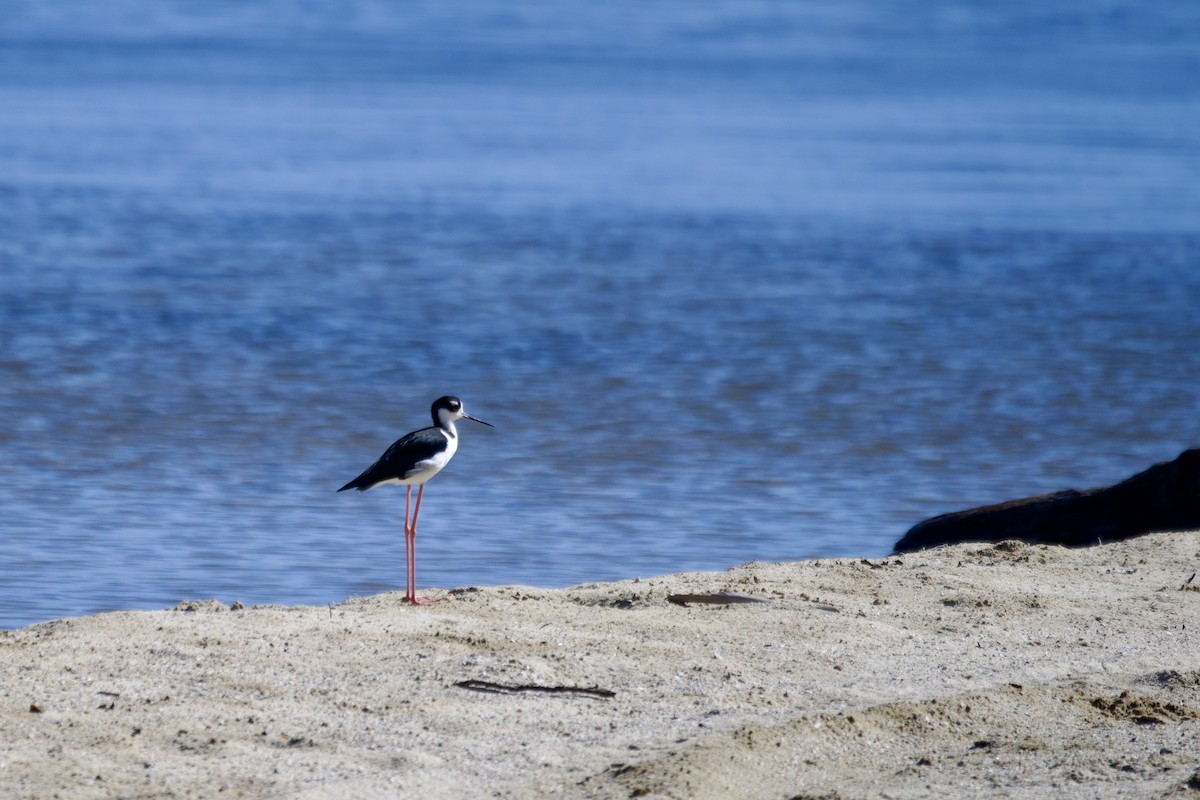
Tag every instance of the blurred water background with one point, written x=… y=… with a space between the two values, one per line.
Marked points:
x=734 y=281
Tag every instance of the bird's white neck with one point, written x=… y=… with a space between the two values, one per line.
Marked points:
x=446 y=424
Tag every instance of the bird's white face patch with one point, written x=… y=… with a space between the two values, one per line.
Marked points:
x=448 y=415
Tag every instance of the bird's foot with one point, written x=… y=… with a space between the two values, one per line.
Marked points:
x=421 y=601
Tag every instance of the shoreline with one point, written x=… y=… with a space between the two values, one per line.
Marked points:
x=975 y=669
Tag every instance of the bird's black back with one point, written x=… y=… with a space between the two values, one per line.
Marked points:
x=399 y=460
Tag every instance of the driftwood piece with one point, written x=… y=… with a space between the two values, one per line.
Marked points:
x=1166 y=497
x=514 y=688
x=724 y=598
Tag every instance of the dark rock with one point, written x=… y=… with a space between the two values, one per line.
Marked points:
x=1166 y=497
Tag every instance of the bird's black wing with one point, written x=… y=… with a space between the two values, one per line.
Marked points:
x=399 y=459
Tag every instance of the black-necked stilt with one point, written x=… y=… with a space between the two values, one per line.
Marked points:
x=415 y=458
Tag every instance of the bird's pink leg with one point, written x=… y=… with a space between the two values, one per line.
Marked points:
x=412 y=598
x=409 y=544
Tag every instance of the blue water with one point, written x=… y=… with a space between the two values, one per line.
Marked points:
x=734 y=281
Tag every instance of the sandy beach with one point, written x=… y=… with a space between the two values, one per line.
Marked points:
x=967 y=671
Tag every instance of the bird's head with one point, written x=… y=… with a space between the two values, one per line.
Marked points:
x=447 y=409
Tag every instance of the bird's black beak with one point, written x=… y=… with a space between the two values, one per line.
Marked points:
x=477 y=419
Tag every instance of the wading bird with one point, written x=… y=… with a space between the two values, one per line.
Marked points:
x=413 y=459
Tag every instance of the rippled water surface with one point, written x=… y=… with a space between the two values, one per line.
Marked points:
x=740 y=282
